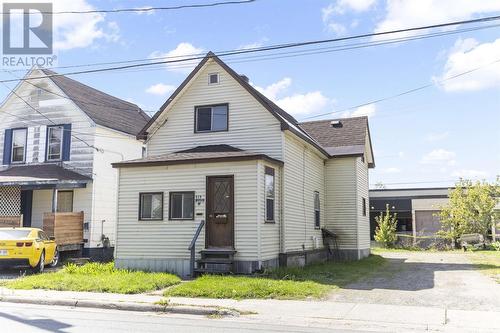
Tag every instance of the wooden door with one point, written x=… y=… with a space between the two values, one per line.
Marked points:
x=220 y=212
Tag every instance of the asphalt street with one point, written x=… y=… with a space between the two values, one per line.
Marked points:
x=22 y=318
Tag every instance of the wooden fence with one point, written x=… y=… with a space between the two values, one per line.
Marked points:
x=67 y=228
x=11 y=221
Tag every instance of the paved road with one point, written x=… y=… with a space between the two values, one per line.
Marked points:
x=443 y=279
x=22 y=318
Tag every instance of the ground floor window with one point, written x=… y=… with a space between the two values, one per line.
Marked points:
x=151 y=206
x=317 y=211
x=270 y=190
x=64 y=201
x=181 y=206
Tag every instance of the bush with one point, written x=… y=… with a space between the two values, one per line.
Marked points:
x=495 y=246
x=385 y=232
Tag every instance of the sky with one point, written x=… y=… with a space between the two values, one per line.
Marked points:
x=428 y=138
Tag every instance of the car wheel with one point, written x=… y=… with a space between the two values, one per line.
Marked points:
x=39 y=268
x=55 y=260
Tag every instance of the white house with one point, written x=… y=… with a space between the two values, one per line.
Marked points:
x=267 y=186
x=58 y=138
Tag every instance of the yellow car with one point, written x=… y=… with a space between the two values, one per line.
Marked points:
x=27 y=246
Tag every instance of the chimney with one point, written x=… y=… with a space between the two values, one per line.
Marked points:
x=245 y=78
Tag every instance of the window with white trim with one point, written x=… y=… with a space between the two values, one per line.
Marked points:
x=19 y=137
x=211 y=118
x=269 y=188
x=54 y=143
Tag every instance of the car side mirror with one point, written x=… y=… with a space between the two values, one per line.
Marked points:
x=52 y=238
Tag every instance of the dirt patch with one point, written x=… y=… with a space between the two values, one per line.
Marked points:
x=426 y=279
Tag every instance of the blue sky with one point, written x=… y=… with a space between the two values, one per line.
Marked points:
x=435 y=135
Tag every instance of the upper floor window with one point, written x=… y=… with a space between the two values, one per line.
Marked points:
x=269 y=188
x=54 y=143
x=211 y=118
x=213 y=78
x=19 y=137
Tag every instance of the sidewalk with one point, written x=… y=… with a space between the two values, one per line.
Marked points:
x=374 y=317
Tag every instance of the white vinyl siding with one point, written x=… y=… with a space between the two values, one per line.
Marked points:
x=250 y=126
x=362 y=192
x=303 y=175
x=170 y=239
x=341 y=201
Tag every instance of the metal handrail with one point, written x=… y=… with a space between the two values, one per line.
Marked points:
x=192 y=246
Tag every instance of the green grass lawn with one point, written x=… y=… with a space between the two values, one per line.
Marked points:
x=488 y=262
x=96 y=277
x=313 y=281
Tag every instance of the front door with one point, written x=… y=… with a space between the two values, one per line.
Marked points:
x=220 y=212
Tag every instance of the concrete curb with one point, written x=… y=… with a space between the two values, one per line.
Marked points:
x=125 y=306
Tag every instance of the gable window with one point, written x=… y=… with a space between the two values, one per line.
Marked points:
x=213 y=78
x=19 y=137
x=212 y=118
x=364 y=206
x=317 y=211
x=151 y=206
x=181 y=206
x=269 y=187
x=54 y=143
x=64 y=201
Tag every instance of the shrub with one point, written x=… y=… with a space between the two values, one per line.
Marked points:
x=495 y=246
x=385 y=232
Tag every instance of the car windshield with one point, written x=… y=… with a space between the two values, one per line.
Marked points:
x=13 y=234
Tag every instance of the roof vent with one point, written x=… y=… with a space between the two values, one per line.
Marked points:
x=245 y=78
x=336 y=123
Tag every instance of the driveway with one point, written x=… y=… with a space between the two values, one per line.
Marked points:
x=425 y=279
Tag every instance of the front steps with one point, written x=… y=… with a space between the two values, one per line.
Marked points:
x=215 y=261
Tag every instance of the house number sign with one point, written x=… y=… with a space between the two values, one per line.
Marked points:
x=199 y=199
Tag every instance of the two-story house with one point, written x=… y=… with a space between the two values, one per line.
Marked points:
x=230 y=172
x=58 y=138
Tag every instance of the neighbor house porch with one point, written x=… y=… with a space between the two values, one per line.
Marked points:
x=43 y=196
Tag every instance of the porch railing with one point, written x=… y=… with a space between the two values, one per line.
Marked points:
x=192 y=247
x=67 y=228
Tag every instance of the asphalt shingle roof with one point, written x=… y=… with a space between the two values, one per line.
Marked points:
x=40 y=173
x=103 y=109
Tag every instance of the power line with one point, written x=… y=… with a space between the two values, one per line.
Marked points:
x=406 y=92
x=140 y=10
x=273 y=47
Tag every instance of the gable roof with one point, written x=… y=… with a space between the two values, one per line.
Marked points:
x=103 y=109
x=287 y=121
x=348 y=137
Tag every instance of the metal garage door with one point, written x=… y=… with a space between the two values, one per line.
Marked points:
x=426 y=222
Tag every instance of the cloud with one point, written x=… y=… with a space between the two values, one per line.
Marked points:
x=470 y=174
x=254 y=45
x=339 y=8
x=160 y=89
x=469 y=54
x=365 y=110
x=304 y=104
x=73 y=31
x=412 y=13
x=439 y=157
x=432 y=137
x=392 y=170
x=183 y=51
x=296 y=104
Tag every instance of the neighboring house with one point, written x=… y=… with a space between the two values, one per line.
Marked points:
x=221 y=152
x=58 y=138
x=416 y=208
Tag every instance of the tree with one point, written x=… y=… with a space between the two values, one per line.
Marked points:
x=385 y=232
x=471 y=209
